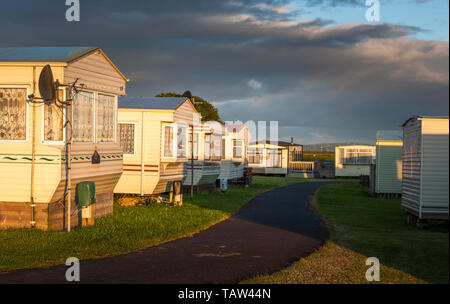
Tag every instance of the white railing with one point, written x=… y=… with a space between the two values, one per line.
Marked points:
x=301 y=166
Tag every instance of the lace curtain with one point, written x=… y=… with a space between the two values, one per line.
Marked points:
x=181 y=142
x=168 y=141
x=105 y=118
x=237 y=148
x=195 y=146
x=216 y=147
x=223 y=149
x=82 y=113
x=13 y=113
x=53 y=121
x=207 y=147
x=126 y=137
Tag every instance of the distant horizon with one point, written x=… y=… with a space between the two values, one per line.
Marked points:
x=322 y=69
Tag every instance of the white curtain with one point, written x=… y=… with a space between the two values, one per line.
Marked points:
x=207 y=155
x=126 y=137
x=13 y=113
x=181 y=142
x=82 y=122
x=216 y=142
x=168 y=141
x=195 y=145
x=237 y=148
x=53 y=121
x=105 y=118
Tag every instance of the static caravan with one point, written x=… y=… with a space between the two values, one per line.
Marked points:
x=278 y=158
x=33 y=136
x=354 y=161
x=387 y=175
x=268 y=158
x=425 y=167
x=206 y=158
x=154 y=136
x=234 y=151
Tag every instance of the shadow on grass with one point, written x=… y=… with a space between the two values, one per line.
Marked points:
x=377 y=227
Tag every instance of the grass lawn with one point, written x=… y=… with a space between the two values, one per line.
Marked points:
x=323 y=156
x=361 y=227
x=128 y=229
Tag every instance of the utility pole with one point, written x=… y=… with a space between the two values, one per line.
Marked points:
x=192 y=164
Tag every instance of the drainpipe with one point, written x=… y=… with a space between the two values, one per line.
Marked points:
x=69 y=161
x=33 y=153
x=142 y=154
x=192 y=163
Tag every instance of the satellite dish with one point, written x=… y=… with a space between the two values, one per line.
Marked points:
x=46 y=85
x=187 y=94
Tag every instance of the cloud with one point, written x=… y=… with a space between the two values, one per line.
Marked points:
x=256 y=60
x=254 y=84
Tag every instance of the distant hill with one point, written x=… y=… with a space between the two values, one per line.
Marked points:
x=327 y=147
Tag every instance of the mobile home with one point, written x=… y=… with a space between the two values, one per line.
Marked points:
x=277 y=158
x=425 y=167
x=33 y=136
x=387 y=173
x=205 y=158
x=234 y=151
x=354 y=161
x=154 y=135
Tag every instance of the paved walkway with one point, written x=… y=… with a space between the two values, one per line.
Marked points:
x=273 y=230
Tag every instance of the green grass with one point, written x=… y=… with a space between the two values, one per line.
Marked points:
x=360 y=227
x=322 y=156
x=128 y=229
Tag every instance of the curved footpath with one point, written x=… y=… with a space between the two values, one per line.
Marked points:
x=273 y=230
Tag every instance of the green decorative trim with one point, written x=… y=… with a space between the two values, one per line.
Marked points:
x=27 y=158
x=47 y=159
x=10 y=158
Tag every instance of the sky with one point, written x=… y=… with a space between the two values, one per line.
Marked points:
x=318 y=67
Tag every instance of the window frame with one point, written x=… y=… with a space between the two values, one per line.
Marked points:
x=351 y=151
x=235 y=140
x=94 y=118
x=27 y=110
x=174 y=127
x=207 y=145
x=115 y=117
x=134 y=137
x=194 y=144
x=186 y=140
x=254 y=153
x=54 y=142
x=218 y=157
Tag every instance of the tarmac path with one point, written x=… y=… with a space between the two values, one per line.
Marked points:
x=273 y=230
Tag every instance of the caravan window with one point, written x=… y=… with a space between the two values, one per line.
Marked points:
x=13 y=113
x=105 y=119
x=53 y=121
x=168 y=141
x=181 y=142
x=82 y=117
x=216 y=141
x=127 y=137
x=195 y=145
x=207 y=153
x=254 y=156
x=223 y=149
x=358 y=156
x=237 y=148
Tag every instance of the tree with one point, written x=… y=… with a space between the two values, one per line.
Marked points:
x=207 y=110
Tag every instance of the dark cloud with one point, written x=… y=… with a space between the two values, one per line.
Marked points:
x=255 y=59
